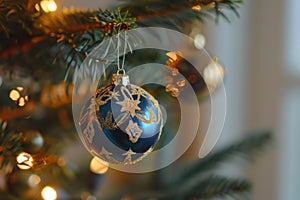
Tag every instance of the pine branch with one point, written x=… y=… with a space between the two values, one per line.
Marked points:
x=77 y=31
x=248 y=148
x=10 y=14
x=194 y=183
x=176 y=13
x=66 y=38
x=195 y=188
x=10 y=146
x=218 y=186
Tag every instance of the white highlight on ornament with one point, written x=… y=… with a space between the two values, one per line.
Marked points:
x=48 y=193
x=34 y=180
x=213 y=74
x=24 y=161
x=199 y=41
x=98 y=166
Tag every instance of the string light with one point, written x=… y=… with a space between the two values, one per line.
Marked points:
x=17 y=97
x=49 y=193
x=98 y=166
x=24 y=161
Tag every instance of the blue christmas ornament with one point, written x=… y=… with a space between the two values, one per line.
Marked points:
x=122 y=123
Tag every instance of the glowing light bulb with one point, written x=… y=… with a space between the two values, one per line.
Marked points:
x=24 y=161
x=47 y=6
x=48 y=193
x=98 y=166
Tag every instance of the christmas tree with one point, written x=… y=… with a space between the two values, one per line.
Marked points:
x=42 y=54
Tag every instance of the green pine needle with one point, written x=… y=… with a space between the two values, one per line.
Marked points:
x=248 y=148
x=10 y=146
x=217 y=186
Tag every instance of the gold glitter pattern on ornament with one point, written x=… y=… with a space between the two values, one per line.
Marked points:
x=133 y=131
x=128 y=156
x=129 y=104
x=107 y=156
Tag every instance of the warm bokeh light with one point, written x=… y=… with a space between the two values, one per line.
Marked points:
x=48 y=193
x=199 y=41
x=47 y=6
x=213 y=74
x=24 y=161
x=20 y=89
x=21 y=101
x=197 y=7
x=14 y=95
x=34 y=180
x=98 y=166
x=61 y=162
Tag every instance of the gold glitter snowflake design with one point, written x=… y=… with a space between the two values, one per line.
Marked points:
x=129 y=104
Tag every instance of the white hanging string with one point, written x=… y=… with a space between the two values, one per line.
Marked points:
x=121 y=68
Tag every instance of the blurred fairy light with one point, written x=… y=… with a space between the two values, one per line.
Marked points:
x=172 y=55
x=196 y=7
x=24 y=161
x=34 y=180
x=98 y=166
x=49 y=193
x=21 y=102
x=20 y=89
x=91 y=198
x=61 y=162
x=199 y=41
x=213 y=74
x=47 y=6
x=16 y=96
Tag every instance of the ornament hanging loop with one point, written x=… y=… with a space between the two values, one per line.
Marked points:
x=121 y=71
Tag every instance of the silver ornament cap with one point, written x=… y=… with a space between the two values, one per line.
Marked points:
x=120 y=79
